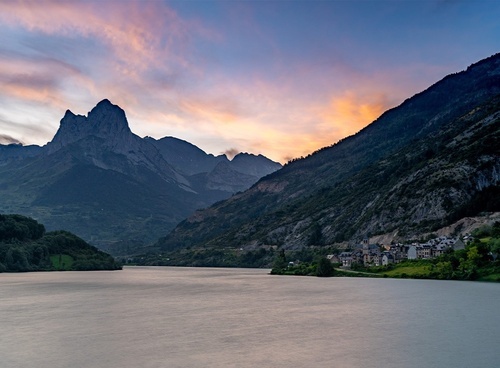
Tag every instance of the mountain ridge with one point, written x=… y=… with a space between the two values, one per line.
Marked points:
x=101 y=181
x=335 y=194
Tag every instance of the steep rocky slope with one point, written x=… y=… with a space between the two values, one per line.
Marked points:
x=418 y=167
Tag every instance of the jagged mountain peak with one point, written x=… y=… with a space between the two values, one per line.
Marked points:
x=105 y=120
x=256 y=165
x=105 y=103
x=108 y=117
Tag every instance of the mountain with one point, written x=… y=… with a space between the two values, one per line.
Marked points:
x=419 y=167
x=104 y=183
x=206 y=171
x=187 y=157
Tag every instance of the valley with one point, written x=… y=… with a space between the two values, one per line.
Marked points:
x=423 y=167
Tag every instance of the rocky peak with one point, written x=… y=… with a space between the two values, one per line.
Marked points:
x=105 y=120
x=258 y=166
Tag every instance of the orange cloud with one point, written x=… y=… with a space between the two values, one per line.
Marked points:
x=304 y=127
x=215 y=110
x=350 y=112
x=27 y=93
x=143 y=46
x=139 y=55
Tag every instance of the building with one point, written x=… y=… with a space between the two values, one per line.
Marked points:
x=380 y=255
x=387 y=258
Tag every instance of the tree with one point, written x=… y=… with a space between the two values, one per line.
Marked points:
x=315 y=235
x=20 y=228
x=279 y=264
x=494 y=246
x=16 y=260
x=468 y=266
x=324 y=268
x=444 y=270
x=495 y=230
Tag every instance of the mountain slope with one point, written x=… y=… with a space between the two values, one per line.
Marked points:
x=417 y=167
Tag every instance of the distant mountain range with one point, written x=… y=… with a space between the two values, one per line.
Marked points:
x=112 y=188
x=423 y=165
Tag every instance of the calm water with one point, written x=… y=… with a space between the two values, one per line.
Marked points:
x=183 y=317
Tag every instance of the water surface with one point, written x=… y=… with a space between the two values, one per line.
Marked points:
x=187 y=317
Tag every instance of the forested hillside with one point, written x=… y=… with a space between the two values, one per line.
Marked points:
x=420 y=166
x=25 y=246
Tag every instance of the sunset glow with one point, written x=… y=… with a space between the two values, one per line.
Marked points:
x=281 y=78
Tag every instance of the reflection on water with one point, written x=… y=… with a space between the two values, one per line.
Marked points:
x=185 y=317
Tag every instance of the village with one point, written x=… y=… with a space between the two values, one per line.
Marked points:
x=369 y=255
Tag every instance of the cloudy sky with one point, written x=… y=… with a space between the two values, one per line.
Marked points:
x=281 y=78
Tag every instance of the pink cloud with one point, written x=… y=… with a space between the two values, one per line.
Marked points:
x=132 y=52
x=34 y=82
x=140 y=35
x=143 y=56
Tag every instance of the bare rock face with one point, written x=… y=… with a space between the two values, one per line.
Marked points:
x=105 y=121
x=105 y=131
x=223 y=177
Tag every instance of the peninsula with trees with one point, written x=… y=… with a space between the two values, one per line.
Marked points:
x=26 y=246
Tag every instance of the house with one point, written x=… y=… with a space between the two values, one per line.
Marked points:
x=375 y=259
x=333 y=258
x=424 y=251
x=369 y=253
x=399 y=252
x=346 y=259
x=387 y=258
x=412 y=252
x=439 y=249
x=376 y=255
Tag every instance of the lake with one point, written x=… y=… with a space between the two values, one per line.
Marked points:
x=206 y=317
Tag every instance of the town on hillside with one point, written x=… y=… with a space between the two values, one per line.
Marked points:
x=370 y=255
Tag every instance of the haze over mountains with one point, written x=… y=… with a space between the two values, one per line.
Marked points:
x=423 y=165
x=104 y=183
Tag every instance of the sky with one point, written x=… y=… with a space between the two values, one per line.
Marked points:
x=279 y=78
